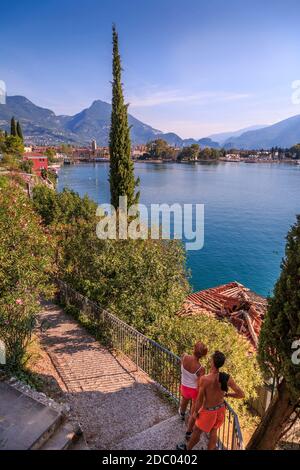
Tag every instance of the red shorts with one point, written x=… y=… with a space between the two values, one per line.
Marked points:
x=189 y=393
x=210 y=419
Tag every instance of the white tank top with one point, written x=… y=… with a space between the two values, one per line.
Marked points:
x=189 y=379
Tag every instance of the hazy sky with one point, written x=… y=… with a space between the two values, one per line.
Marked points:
x=193 y=67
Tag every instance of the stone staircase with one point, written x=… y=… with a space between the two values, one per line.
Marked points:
x=162 y=436
x=28 y=424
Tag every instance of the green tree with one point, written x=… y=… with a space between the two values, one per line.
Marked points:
x=139 y=280
x=209 y=154
x=280 y=329
x=67 y=149
x=45 y=203
x=190 y=153
x=160 y=149
x=13 y=127
x=26 y=166
x=121 y=176
x=50 y=153
x=19 y=131
x=2 y=140
x=25 y=266
x=295 y=150
x=13 y=146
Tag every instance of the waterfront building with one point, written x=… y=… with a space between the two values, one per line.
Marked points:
x=40 y=162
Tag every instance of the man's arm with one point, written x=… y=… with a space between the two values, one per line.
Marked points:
x=200 y=397
x=237 y=391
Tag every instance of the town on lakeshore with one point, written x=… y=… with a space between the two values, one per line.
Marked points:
x=152 y=152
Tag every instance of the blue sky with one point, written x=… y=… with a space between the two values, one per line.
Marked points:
x=190 y=66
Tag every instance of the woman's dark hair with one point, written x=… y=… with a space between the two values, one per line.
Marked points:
x=218 y=359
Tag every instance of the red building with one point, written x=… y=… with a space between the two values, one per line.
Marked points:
x=40 y=162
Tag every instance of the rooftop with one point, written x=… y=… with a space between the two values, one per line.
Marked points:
x=234 y=302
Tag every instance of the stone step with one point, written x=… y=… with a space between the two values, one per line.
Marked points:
x=62 y=438
x=79 y=444
x=25 y=423
x=48 y=433
x=162 y=436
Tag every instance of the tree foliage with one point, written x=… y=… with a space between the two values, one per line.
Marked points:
x=13 y=127
x=190 y=153
x=25 y=265
x=159 y=149
x=121 y=176
x=11 y=145
x=50 y=153
x=139 y=280
x=280 y=329
x=282 y=323
x=19 y=131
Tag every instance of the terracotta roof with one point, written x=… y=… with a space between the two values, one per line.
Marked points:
x=234 y=302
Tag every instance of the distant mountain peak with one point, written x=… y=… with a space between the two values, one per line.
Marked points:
x=284 y=134
x=43 y=126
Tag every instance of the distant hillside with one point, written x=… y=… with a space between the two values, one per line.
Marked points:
x=282 y=134
x=43 y=126
x=223 y=136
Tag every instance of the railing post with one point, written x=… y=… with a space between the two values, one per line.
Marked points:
x=137 y=352
x=233 y=434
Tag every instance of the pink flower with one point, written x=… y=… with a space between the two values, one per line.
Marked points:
x=19 y=301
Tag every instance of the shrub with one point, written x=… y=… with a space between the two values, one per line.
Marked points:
x=25 y=265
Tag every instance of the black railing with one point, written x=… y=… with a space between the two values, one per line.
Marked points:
x=160 y=364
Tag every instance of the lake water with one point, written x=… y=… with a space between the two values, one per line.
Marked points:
x=248 y=211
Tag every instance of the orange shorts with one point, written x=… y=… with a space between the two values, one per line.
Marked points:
x=189 y=393
x=210 y=419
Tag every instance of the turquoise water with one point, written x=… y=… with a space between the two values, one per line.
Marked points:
x=248 y=211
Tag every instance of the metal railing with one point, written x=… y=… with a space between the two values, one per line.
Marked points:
x=160 y=364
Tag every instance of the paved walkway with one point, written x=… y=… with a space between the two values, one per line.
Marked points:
x=112 y=402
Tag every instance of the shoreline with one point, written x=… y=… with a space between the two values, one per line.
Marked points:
x=160 y=162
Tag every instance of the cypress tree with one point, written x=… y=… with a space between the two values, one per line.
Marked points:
x=121 y=176
x=19 y=131
x=13 y=127
x=279 y=351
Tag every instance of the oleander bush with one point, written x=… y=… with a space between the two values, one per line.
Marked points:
x=25 y=266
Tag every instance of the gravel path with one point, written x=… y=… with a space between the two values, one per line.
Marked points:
x=108 y=398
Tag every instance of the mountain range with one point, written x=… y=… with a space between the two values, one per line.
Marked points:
x=43 y=126
x=222 y=137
